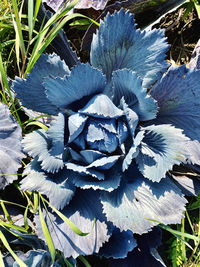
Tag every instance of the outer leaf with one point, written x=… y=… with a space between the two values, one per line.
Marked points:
x=82 y=4
x=193 y=148
x=31 y=91
x=195 y=60
x=129 y=86
x=57 y=187
x=96 y=4
x=189 y=186
x=10 y=147
x=145 y=254
x=137 y=199
x=47 y=236
x=119 y=45
x=82 y=212
x=120 y=243
x=29 y=240
x=177 y=94
x=83 y=82
x=162 y=147
x=38 y=258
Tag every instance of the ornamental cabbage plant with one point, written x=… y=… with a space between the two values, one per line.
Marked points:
x=121 y=123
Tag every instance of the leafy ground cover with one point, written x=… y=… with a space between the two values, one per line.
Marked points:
x=92 y=182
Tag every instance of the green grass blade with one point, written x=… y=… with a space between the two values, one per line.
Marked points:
x=1 y=260
x=37 y=7
x=7 y=215
x=175 y=232
x=37 y=123
x=65 y=219
x=35 y=201
x=47 y=236
x=197 y=7
x=18 y=27
x=13 y=226
x=189 y=7
x=5 y=84
x=68 y=264
x=84 y=261
x=46 y=42
x=3 y=80
x=7 y=43
x=30 y=18
x=39 y=45
x=17 y=46
x=25 y=218
x=12 y=203
x=190 y=223
x=36 y=118
x=7 y=246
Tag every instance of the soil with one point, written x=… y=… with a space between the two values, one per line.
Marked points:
x=182 y=34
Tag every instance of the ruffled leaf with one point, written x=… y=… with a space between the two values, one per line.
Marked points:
x=91 y=155
x=138 y=199
x=162 y=147
x=133 y=151
x=100 y=139
x=82 y=212
x=83 y=82
x=119 y=45
x=36 y=144
x=31 y=91
x=120 y=243
x=100 y=106
x=57 y=187
x=122 y=132
x=131 y=117
x=177 y=94
x=10 y=147
x=105 y=163
x=76 y=123
x=85 y=171
x=80 y=142
x=110 y=182
x=56 y=134
x=129 y=86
